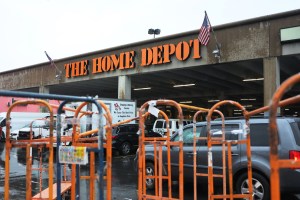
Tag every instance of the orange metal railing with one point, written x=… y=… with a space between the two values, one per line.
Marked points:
x=28 y=144
x=275 y=162
x=195 y=140
x=79 y=140
x=158 y=144
x=29 y=161
x=212 y=141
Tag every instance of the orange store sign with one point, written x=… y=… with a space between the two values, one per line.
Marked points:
x=157 y=55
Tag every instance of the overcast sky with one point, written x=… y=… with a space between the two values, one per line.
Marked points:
x=65 y=28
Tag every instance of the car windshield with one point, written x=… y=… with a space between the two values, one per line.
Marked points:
x=36 y=124
x=26 y=126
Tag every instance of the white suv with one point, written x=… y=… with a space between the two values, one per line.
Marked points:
x=161 y=128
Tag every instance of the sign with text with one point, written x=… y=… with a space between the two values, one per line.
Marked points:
x=156 y=55
x=73 y=155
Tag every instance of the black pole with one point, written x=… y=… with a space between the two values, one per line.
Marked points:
x=99 y=150
x=212 y=30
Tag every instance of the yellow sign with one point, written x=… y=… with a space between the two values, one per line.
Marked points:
x=73 y=155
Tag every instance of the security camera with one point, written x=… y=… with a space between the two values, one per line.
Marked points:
x=216 y=51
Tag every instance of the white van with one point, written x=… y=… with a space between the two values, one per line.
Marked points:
x=40 y=129
x=18 y=120
x=160 y=127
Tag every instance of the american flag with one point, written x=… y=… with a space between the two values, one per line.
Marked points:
x=203 y=36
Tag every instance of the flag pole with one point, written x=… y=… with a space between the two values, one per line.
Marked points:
x=218 y=47
x=53 y=64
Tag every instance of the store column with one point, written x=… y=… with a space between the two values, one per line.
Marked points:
x=271 y=78
x=124 y=87
x=44 y=90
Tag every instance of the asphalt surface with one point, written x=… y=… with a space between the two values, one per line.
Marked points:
x=124 y=178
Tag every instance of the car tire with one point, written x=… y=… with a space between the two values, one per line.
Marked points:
x=150 y=182
x=125 y=148
x=261 y=186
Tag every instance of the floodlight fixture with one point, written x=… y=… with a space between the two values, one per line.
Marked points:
x=153 y=32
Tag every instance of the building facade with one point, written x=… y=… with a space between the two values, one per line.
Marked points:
x=255 y=56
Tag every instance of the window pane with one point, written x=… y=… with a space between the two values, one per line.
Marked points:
x=3 y=123
x=188 y=135
x=132 y=129
x=232 y=131
x=165 y=125
x=259 y=135
x=159 y=124
x=295 y=127
x=123 y=129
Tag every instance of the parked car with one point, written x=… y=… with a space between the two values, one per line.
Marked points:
x=289 y=148
x=17 y=121
x=160 y=125
x=39 y=130
x=125 y=138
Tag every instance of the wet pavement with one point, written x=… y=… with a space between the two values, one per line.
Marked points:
x=124 y=178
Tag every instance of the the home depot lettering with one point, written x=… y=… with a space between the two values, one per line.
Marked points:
x=157 y=55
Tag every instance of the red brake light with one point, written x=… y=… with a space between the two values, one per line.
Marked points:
x=114 y=137
x=295 y=155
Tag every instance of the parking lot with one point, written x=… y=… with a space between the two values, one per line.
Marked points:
x=124 y=178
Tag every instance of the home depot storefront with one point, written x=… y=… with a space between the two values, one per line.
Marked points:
x=156 y=55
x=177 y=67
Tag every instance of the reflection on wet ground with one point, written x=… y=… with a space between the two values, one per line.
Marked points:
x=124 y=177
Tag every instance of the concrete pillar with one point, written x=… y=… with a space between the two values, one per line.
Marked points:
x=89 y=107
x=124 y=87
x=44 y=89
x=271 y=78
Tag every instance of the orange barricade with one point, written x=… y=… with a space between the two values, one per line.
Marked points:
x=29 y=161
x=195 y=152
x=28 y=144
x=212 y=141
x=275 y=162
x=79 y=140
x=158 y=143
